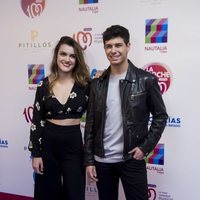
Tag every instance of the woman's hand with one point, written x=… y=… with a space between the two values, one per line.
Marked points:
x=37 y=165
x=91 y=174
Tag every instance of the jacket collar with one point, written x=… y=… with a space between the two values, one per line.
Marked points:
x=130 y=75
x=131 y=72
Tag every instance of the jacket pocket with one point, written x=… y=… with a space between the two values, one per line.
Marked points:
x=136 y=134
x=137 y=98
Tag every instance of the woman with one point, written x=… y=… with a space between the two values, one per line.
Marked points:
x=55 y=137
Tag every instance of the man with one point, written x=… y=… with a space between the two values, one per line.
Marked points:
x=117 y=137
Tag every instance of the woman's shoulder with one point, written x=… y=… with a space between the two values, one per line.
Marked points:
x=44 y=83
x=46 y=80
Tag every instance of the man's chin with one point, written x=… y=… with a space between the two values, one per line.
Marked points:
x=115 y=62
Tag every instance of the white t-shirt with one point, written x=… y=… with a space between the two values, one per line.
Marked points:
x=113 y=133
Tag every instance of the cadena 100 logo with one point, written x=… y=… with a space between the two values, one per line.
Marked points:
x=84 y=38
x=163 y=74
x=33 y=8
x=152 y=192
x=28 y=114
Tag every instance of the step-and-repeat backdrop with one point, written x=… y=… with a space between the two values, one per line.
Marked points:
x=165 y=41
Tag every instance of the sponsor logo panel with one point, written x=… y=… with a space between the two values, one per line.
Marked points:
x=34 y=44
x=155 y=193
x=3 y=143
x=162 y=72
x=88 y=6
x=87 y=1
x=156 y=35
x=156 y=30
x=32 y=8
x=157 y=155
x=84 y=38
x=35 y=73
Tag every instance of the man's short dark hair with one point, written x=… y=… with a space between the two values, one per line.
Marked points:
x=116 y=31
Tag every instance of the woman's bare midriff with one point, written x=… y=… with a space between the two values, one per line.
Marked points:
x=65 y=122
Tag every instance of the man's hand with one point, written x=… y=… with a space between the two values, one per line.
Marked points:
x=137 y=153
x=37 y=165
x=91 y=174
x=98 y=73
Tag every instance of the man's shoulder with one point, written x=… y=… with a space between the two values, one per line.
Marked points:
x=93 y=82
x=145 y=74
x=102 y=77
x=141 y=73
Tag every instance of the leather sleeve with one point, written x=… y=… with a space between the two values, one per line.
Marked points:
x=89 y=128
x=159 y=116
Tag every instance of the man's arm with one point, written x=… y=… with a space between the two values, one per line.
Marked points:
x=89 y=128
x=159 y=116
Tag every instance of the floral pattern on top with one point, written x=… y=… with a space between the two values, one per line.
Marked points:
x=46 y=106
x=37 y=106
x=60 y=111
x=72 y=95
x=79 y=109
x=86 y=97
x=42 y=123
x=68 y=110
x=33 y=127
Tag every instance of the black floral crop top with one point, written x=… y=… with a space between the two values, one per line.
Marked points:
x=47 y=106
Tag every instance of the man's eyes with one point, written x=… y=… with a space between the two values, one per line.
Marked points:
x=111 y=46
x=118 y=45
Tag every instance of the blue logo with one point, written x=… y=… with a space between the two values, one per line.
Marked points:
x=171 y=122
x=93 y=72
x=3 y=143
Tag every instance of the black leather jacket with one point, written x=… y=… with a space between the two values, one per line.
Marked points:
x=140 y=96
